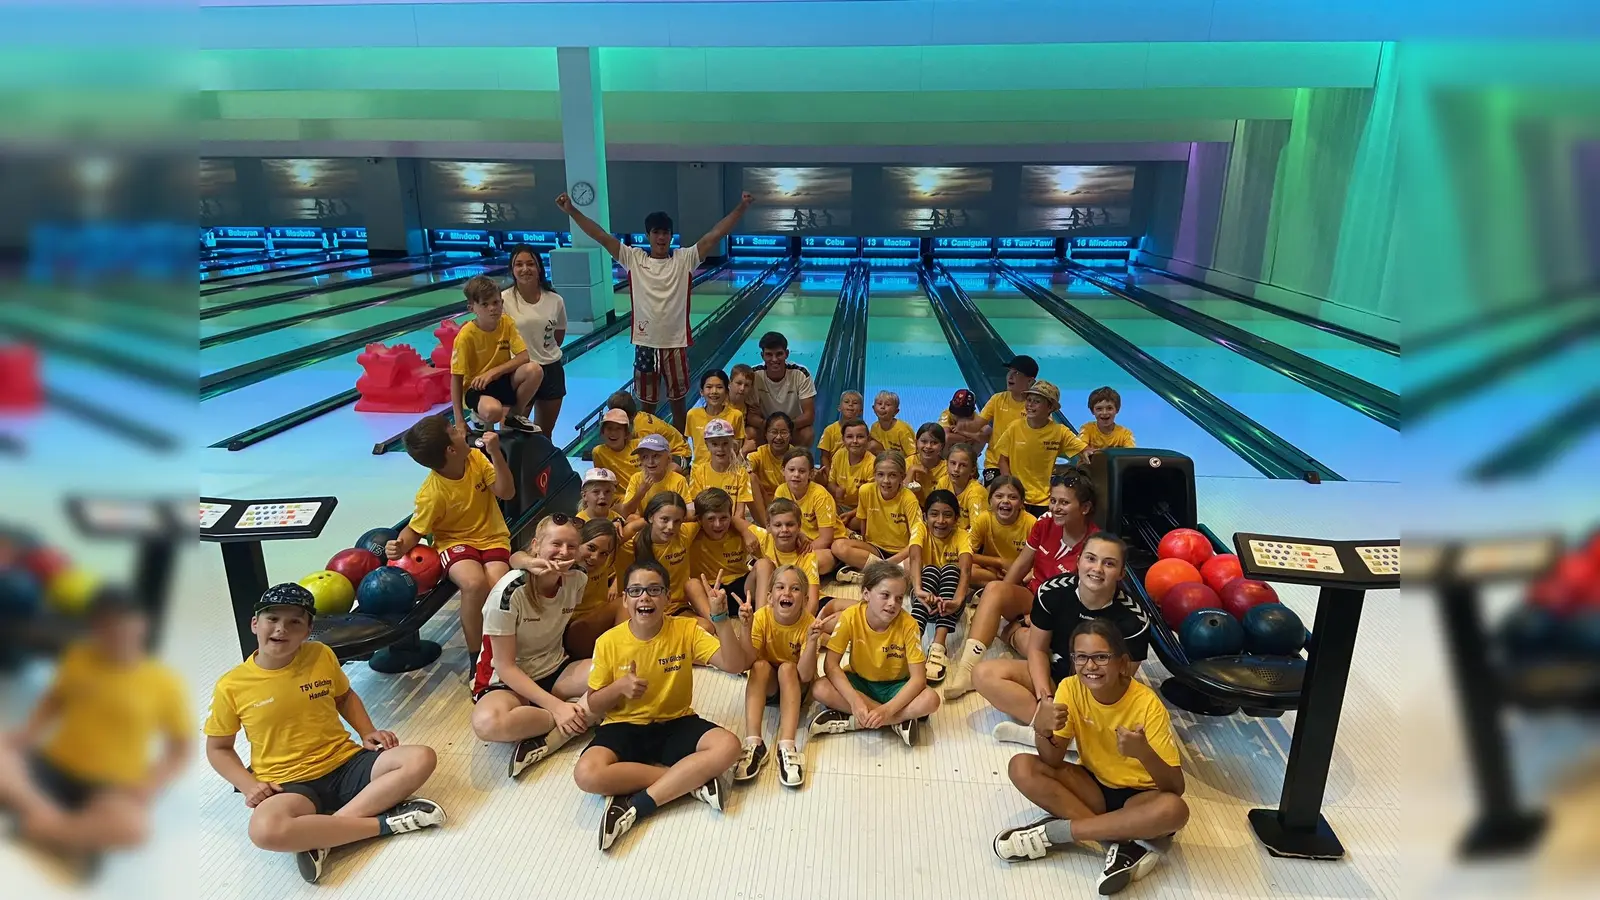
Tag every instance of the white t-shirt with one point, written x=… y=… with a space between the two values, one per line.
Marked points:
x=537 y=622
x=538 y=323
x=660 y=291
x=785 y=395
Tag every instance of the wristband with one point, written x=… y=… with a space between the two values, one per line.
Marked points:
x=719 y=617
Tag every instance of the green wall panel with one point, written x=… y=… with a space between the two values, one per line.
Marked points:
x=379 y=68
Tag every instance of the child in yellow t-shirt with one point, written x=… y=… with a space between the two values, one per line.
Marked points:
x=946 y=577
x=720 y=548
x=659 y=536
x=784 y=544
x=1006 y=407
x=1000 y=532
x=598 y=496
x=781 y=641
x=615 y=450
x=819 y=514
x=1104 y=432
x=644 y=424
x=960 y=478
x=1030 y=447
x=832 y=440
x=714 y=388
x=78 y=774
x=742 y=396
x=926 y=468
x=1127 y=788
x=720 y=467
x=490 y=372
x=887 y=685
x=597 y=611
x=766 y=463
x=888 y=432
x=655 y=475
x=310 y=786
x=852 y=465
x=651 y=748
x=457 y=505
x=887 y=518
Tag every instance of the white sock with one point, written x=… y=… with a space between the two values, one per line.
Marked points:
x=555 y=739
x=786 y=745
x=971 y=652
x=752 y=740
x=1013 y=733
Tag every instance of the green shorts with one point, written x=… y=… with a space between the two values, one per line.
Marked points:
x=879 y=691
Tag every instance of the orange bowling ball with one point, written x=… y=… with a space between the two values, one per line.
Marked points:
x=1166 y=573
x=423 y=564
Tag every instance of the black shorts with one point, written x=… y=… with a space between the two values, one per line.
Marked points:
x=69 y=792
x=554 y=385
x=332 y=791
x=1117 y=798
x=1037 y=511
x=500 y=389
x=546 y=684
x=654 y=744
x=736 y=594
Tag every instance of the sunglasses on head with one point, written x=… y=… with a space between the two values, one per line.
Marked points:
x=1069 y=480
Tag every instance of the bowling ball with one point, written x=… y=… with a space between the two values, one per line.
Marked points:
x=71 y=591
x=1186 y=544
x=354 y=563
x=1273 y=629
x=1583 y=635
x=1166 y=573
x=1184 y=598
x=1531 y=632
x=1211 y=632
x=1221 y=569
x=20 y=594
x=333 y=592
x=375 y=539
x=45 y=563
x=423 y=564
x=386 y=591
x=1240 y=594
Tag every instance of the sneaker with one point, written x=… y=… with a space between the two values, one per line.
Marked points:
x=618 y=818
x=518 y=423
x=310 y=864
x=936 y=664
x=847 y=575
x=791 y=767
x=414 y=815
x=1126 y=862
x=907 y=731
x=831 y=721
x=527 y=752
x=713 y=792
x=749 y=765
x=1024 y=842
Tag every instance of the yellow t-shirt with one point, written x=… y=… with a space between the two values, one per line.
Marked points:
x=973 y=501
x=817 y=509
x=707 y=555
x=768 y=469
x=644 y=424
x=673 y=556
x=777 y=643
x=616 y=517
x=1033 y=452
x=110 y=712
x=622 y=463
x=476 y=351
x=991 y=537
x=878 y=655
x=898 y=436
x=699 y=416
x=1096 y=439
x=1001 y=410
x=892 y=524
x=288 y=715
x=926 y=484
x=672 y=481
x=946 y=552
x=597 y=590
x=736 y=481
x=832 y=440
x=1095 y=726
x=851 y=477
x=804 y=557
x=665 y=662
x=462 y=510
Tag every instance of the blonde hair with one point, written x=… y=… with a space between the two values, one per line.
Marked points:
x=893 y=456
x=887 y=395
x=791 y=567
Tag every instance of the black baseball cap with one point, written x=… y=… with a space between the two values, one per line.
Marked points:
x=1027 y=365
x=287 y=594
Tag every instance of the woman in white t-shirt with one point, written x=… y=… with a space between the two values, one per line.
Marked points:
x=541 y=318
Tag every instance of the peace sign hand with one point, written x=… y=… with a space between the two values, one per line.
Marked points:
x=541 y=566
x=747 y=610
x=715 y=595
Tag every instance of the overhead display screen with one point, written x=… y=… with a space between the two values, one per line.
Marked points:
x=798 y=198
x=1066 y=198
x=312 y=190
x=938 y=198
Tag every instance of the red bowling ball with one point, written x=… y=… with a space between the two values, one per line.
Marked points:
x=423 y=564
x=1241 y=595
x=354 y=563
x=1221 y=569
x=1186 y=544
x=1185 y=598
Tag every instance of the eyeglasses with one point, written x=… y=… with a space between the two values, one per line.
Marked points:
x=1099 y=659
x=639 y=590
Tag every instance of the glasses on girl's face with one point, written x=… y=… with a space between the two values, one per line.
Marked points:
x=1100 y=660
x=639 y=590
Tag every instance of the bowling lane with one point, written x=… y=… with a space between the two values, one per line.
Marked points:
x=1429 y=364
x=233 y=292
x=1365 y=363
x=256 y=269
x=293 y=337
x=1078 y=368
x=1351 y=444
x=803 y=315
x=906 y=349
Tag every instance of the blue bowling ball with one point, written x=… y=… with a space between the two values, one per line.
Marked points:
x=1532 y=632
x=1583 y=636
x=386 y=591
x=1211 y=632
x=20 y=594
x=1273 y=629
x=376 y=539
